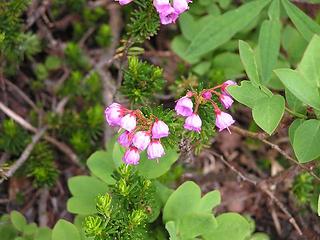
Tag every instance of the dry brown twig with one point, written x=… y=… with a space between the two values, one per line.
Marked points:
x=264 y=186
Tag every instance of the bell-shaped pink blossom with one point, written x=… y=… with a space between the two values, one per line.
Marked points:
x=155 y=149
x=131 y=156
x=180 y=6
x=125 y=139
x=193 y=123
x=207 y=95
x=128 y=122
x=162 y=5
x=223 y=120
x=160 y=129
x=114 y=113
x=226 y=100
x=169 y=16
x=225 y=85
x=124 y=2
x=141 y=140
x=184 y=107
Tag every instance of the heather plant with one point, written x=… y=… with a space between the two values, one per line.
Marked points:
x=260 y=55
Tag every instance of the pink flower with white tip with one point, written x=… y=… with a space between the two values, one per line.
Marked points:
x=226 y=100
x=124 y=2
x=114 y=114
x=184 y=107
x=160 y=129
x=225 y=85
x=125 y=139
x=155 y=149
x=169 y=16
x=193 y=123
x=131 y=156
x=141 y=140
x=128 y=122
x=161 y=5
x=223 y=120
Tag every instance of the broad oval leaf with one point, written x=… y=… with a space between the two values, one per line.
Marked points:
x=306 y=141
x=18 y=220
x=65 y=230
x=267 y=112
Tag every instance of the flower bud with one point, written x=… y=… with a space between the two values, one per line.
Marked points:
x=155 y=150
x=160 y=129
x=128 y=122
x=131 y=156
x=124 y=2
x=207 y=95
x=141 y=140
x=184 y=107
x=223 y=120
x=193 y=123
x=124 y=139
x=226 y=100
x=225 y=85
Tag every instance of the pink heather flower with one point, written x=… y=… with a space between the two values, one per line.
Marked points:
x=162 y=5
x=225 y=85
x=207 y=95
x=124 y=2
x=114 y=113
x=223 y=120
x=184 y=107
x=180 y=6
x=160 y=129
x=128 y=122
x=169 y=16
x=141 y=140
x=155 y=149
x=226 y=100
x=124 y=139
x=131 y=156
x=193 y=123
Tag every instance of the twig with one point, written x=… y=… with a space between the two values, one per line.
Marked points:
x=262 y=137
x=42 y=207
x=61 y=146
x=263 y=186
x=25 y=154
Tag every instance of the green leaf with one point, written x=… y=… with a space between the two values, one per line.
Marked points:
x=293 y=43
x=209 y=201
x=306 y=141
x=268 y=111
x=305 y=25
x=223 y=28
x=249 y=62
x=299 y=87
x=163 y=192
x=117 y=154
x=83 y=186
x=82 y=205
x=30 y=229
x=182 y=201
x=18 y=220
x=230 y=226
x=101 y=165
x=44 y=233
x=152 y=169
x=292 y=129
x=179 y=45
x=274 y=10
x=171 y=228
x=259 y=236
x=294 y=103
x=195 y=224
x=64 y=230
x=309 y=66
x=269 y=45
x=246 y=93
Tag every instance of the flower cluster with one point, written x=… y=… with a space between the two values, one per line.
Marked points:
x=184 y=107
x=140 y=133
x=168 y=12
